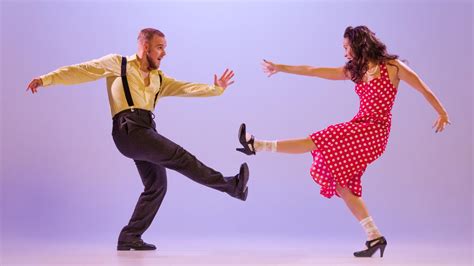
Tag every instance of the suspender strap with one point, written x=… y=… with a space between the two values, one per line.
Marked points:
x=156 y=96
x=126 y=88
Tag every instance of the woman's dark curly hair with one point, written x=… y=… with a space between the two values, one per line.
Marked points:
x=365 y=47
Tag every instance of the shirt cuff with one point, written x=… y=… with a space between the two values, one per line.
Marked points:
x=46 y=79
x=219 y=89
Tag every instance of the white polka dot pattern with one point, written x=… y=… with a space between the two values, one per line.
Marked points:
x=344 y=150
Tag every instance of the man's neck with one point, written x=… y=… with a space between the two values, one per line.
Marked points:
x=142 y=62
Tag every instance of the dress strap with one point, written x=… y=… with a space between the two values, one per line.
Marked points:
x=384 y=71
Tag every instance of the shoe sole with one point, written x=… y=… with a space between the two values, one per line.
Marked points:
x=130 y=248
x=242 y=133
x=245 y=173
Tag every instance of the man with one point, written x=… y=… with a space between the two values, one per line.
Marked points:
x=134 y=84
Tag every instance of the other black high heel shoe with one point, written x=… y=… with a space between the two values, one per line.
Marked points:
x=372 y=247
x=244 y=142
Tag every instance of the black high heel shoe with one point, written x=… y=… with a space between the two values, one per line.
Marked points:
x=242 y=139
x=372 y=247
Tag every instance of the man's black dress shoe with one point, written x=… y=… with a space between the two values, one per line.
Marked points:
x=242 y=189
x=135 y=245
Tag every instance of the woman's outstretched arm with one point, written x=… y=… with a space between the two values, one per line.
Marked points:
x=333 y=73
x=406 y=74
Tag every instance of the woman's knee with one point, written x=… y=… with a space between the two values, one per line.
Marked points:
x=343 y=191
x=310 y=144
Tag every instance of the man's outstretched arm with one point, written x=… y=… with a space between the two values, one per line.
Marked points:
x=84 y=72
x=172 y=87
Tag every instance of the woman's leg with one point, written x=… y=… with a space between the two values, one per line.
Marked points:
x=295 y=146
x=357 y=206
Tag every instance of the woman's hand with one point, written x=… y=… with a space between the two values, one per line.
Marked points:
x=269 y=68
x=441 y=123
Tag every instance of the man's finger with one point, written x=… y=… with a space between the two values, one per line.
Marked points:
x=231 y=73
x=225 y=72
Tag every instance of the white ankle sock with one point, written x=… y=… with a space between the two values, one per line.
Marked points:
x=370 y=229
x=263 y=145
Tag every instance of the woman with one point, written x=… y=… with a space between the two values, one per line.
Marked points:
x=342 y=152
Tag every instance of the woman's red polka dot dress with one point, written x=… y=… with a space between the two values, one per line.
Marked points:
x=344 y=150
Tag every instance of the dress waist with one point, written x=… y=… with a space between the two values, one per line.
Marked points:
x=383 y=119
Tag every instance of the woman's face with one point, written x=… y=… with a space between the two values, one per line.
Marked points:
x=347 y=49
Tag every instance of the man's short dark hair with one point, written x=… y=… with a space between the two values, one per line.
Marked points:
x=148 y=33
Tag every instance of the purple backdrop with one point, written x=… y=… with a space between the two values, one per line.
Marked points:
x=63 y=179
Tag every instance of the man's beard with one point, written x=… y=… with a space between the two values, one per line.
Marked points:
x=151 y=64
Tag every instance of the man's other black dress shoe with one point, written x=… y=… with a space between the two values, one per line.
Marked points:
x=135 y=245
x=242 y=188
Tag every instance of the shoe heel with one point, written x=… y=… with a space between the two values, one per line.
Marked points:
x=382 y=250
x=123 y=248
x=248 y=146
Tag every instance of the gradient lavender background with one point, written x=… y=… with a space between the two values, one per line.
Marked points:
x=63 y=179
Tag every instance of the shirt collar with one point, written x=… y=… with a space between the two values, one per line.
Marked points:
x=134 y=57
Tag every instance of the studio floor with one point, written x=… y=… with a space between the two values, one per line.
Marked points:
x=234 y=251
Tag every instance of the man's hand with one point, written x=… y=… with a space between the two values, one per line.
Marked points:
x=225 y=79
x=34 y=85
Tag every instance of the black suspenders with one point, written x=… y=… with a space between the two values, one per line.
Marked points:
x=126 y=88
x=156 y=96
